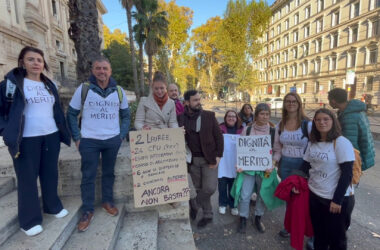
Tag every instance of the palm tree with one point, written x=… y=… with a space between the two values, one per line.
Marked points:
x=84 y=31
x=150 y=27
x=127 y=5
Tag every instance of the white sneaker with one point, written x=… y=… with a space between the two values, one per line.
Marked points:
x=235 y=211
x=62 y=214
x=33 y=231
x=222 y=210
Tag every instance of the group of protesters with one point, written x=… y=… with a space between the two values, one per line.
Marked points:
x=312 y=159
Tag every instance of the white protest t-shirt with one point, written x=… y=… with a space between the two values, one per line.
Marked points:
x=227 y=163
x=293 y=142
x=325 y=170
x=100 y=116
x=38 y=112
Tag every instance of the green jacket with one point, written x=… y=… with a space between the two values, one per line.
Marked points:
x=268 y=186
x=356 y=128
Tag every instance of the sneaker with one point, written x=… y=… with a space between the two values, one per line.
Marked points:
x=222 y=210
x=110 y=209
x=85 y=221
x=235 y=211
x=33 y=231
x=62 y=214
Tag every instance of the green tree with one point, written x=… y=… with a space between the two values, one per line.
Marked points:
x=127 y=5
x=238 y=39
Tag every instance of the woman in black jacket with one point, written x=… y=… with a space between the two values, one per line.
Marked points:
x=32 y=124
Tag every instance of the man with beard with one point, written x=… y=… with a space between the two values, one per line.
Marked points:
x=205 y=140
x=174 y=95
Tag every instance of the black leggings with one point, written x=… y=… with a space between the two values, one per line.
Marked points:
x=330 y=229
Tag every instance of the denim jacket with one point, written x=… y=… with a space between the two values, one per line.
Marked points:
x=12 y=118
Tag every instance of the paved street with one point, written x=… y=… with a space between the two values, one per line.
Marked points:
x=363 y=234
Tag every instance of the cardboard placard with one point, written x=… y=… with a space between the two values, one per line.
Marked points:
x=254 y=152
x=159 y=167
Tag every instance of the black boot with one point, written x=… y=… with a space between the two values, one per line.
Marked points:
x=193 y=210
x=243 y=225
x=259 y=225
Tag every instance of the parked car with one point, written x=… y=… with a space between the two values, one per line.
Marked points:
x=274 y=103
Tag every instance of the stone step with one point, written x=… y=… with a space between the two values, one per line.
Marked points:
x=56 y=231
x=165 y=211
x=139 y=231
x=7 y=184
x=101 y=234
x=175 y=234
x=8 y=216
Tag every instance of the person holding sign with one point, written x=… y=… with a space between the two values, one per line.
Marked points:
x=205 y=140
x=104 y=124
x=248 y=181
x=329 y=160
x=292 y=136
x=33 y=125
x=157 y=110
x=226 y=170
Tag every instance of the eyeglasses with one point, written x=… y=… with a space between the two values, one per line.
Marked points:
x=322 y=120
x=291 y=102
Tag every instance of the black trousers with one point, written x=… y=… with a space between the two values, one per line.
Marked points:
x=330 y=229
x=38 y=158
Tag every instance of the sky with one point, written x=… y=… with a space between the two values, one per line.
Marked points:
x=203 y=10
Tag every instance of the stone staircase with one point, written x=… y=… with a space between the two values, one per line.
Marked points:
x=160 y=227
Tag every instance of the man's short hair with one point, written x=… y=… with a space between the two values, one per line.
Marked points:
x=189 y=94
x=100 y=59
x=339 y=95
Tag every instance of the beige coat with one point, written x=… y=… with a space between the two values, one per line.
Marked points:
x=149 y=113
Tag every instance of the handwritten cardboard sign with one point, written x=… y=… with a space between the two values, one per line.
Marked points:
x=159 y=167
x=254 y=152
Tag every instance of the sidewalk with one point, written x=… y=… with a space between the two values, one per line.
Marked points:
x=220 y=108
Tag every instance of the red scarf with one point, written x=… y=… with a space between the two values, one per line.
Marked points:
x=161 y=101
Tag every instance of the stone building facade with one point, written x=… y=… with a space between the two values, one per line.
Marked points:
x=314 y=46
x=43 y=24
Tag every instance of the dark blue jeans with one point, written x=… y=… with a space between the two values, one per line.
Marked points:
x=90 y=151
x=224 y=188
x=38 y=158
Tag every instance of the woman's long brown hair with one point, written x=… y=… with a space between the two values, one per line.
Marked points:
x=300 y=112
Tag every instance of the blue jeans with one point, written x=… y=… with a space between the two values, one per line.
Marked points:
x=38 y=158
x=288 y=165
x=251 y=183
x=90 y=151
x=224 y=188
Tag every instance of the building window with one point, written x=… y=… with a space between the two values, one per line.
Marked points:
x=306 y=31
x=278 y=59
x=54 y=7
x=316 y=87
x=354 y=34
x=278 y=43
x=287 y=24
x=375 y=28
x=304 y=88
x=277 y=74
x=287 y=8
x=321 y=5
x=58 y=44
x=317 y=66
x=295 y=53
x=271 y=47
x=318 y=45
x=332 y=65
x=335 y=18
x=286 y=58
x=296 y=19
x=307 y=12
x=305 y=68
x=369 y=83
x=331 y=85
x=286 y=72
x=272 y=33
x=295 y=36
x=355 y=9
x=297 y=3
x=333 y=40
x=373 y=55
x=319 y=24
x=351 y=60
x=278 y=29
x=294 y=73
x=286 y=40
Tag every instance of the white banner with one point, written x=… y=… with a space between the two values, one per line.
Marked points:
x=254 y=152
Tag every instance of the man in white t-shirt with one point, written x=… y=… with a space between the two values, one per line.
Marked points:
x=105 y=123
